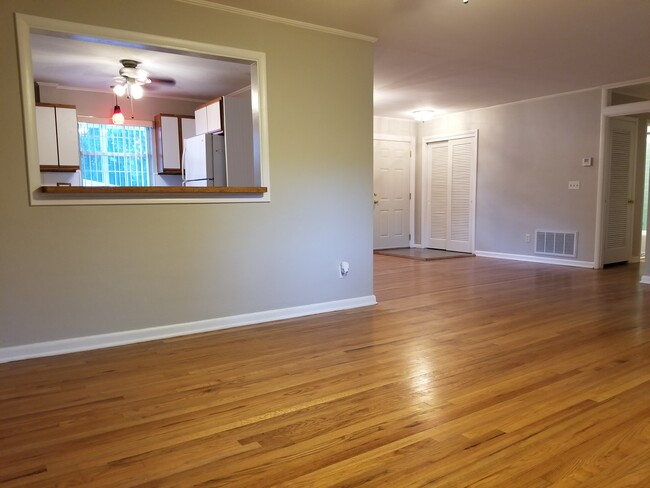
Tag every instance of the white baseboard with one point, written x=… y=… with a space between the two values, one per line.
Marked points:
x=634 y=259
x=76 y=344
x=645 y=280
x=535 y=259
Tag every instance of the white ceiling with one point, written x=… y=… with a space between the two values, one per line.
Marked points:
x=83 y=64
x=439 y=54
x=451 y=56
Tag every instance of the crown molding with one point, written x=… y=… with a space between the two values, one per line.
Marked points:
x=279 y=20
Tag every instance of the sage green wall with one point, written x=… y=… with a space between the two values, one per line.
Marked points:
x=83 y=270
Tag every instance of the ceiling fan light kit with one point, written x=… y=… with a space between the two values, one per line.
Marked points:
x=131 y=80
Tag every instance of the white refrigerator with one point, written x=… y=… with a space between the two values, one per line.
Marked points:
x=204 y=161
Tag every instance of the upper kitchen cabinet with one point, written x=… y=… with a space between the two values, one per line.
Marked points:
x=170 y=132
x=209 y=117
x=57 y=137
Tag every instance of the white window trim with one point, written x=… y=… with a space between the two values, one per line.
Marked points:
x=151 y=159
x=26 y=23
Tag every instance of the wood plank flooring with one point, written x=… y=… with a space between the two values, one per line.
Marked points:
x=470 y=372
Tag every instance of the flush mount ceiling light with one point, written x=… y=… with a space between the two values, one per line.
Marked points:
x=423 y=115
x=465 y=1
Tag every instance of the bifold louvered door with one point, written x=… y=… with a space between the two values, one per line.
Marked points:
x=449 y=215
x=620 y=190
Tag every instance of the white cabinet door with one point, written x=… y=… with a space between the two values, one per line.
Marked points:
x=46 y=136
x=188 y=128
x=67 y=136
x=170 y=142
x=201 y=121
x=214 y=117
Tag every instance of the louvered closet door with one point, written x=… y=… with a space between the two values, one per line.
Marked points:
x=438 y=154
x=450 y=201
x=620 y=191
x=460 y=199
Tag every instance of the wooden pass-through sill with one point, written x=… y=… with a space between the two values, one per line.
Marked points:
x=148 y=190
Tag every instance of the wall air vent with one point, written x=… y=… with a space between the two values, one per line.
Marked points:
x=555 y=243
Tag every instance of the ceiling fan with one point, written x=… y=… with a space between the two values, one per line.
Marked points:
x=132 y=79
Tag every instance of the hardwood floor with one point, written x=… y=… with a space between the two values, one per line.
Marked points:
x=469 y=372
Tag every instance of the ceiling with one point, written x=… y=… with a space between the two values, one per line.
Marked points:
x=438 y=54
x=92 y=65
x=450 y=56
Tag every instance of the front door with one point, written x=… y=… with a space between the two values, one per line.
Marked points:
x=392 y=160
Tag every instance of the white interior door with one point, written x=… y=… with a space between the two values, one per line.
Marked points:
x=451 y=183
x=621 y=159
x=392 y=160
x=438 y=197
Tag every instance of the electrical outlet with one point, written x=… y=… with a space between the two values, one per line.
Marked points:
x=574 y=185
x=527 y=238
x=344 y=269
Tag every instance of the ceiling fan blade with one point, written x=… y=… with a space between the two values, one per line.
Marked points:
x=163 y=81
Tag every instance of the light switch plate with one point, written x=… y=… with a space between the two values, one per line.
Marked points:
x=587 y=161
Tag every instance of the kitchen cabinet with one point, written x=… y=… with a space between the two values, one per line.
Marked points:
x=238 y=131
x=209 y=117
x=170 y=132
x=232 y=117
x=57 y=137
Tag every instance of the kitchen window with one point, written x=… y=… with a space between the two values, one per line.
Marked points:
x=115 y=155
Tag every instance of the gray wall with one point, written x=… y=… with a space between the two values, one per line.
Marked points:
x=527 y=153
x=82 y=270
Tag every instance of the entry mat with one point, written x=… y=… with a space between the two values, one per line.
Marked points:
x=422 y=254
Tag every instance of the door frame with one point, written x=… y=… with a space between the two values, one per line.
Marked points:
x=424 y=225
x=609 y=111
x=411 y=142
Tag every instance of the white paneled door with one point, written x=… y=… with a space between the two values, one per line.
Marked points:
x=450 y=189
x=619 y=197
x=392 y=160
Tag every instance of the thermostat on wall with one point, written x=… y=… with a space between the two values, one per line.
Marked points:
x=587 y=161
